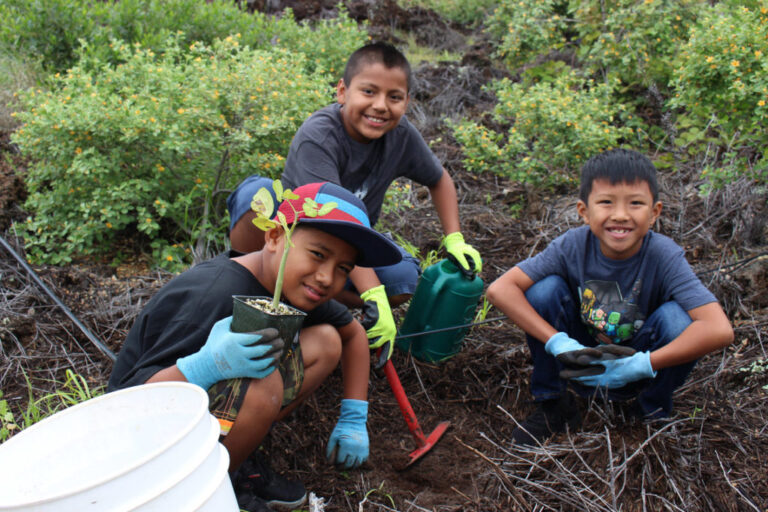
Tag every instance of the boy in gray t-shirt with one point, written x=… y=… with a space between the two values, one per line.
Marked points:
x=611 y=284
x=363 y=143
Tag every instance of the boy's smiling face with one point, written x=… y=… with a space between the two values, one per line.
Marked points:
x=317 y=268
x=373 y=102
x=619 y=215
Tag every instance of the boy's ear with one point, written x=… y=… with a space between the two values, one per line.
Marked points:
x=581 y=209
x=273 y=237
x=341 y=92
x=655 y=212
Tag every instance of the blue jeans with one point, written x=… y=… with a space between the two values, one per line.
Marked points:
x=553 y=300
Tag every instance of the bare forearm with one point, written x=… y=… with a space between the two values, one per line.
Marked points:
x=172 y=373
x=444 y=198
x=709 y=331
x=355 y=361
x=507 y=293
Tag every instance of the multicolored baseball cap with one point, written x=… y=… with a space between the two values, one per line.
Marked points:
x=348 y=221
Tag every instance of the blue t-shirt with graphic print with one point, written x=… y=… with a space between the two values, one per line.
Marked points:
x=616 y=296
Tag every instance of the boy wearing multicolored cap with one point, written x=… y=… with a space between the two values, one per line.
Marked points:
x=184 y=334
x=364 y=142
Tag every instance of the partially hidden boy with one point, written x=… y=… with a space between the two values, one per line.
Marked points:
x=184 y=334
x=613 y=284
x=364 y=142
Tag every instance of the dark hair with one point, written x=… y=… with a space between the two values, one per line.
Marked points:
x=618 y=166
x=372 y=53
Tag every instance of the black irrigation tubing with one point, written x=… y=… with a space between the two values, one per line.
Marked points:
x=101 y=346
x=451 y=328
x=733 y=266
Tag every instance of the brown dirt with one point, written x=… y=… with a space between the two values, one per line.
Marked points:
x=711 y=456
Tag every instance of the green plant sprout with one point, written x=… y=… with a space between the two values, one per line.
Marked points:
x=263 y=204
x=482 y=313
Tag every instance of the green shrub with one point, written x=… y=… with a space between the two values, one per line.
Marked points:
x=525 y=29
x=59 y=30
x=721 y=85
x=553 y=128
x=153 y=145
x=636 y=40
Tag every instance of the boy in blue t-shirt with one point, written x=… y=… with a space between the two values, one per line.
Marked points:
x=364 y=142
x=612 y=283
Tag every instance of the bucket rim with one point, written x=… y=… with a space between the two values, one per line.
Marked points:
x=180 y=435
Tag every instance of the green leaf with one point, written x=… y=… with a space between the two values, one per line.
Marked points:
x=327 y=208
x=288 y=194
x=277 y=186
x=262 y=203
x=264 y=223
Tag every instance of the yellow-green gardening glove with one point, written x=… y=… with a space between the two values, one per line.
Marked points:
x=377 y=319
x=458 y=250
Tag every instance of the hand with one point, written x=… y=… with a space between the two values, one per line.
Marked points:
x=581 y=363
x=229 y=355
x=560 y=342
x=458 y=250
x=377 y=318
x=620 y=372
x=348 y=444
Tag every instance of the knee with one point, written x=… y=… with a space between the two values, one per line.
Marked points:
x=551 y=289
x=328 y=342
x=265 y=395
x=671 y=317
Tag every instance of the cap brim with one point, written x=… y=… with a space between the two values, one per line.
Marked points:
x=374 y=249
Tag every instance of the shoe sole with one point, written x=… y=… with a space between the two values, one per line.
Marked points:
x=287 y=505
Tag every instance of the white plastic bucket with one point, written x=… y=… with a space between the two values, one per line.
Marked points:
x=146 y=448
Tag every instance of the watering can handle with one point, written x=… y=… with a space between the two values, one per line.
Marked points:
x=468 y=274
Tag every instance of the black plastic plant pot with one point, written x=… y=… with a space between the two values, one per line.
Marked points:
x=248 y=317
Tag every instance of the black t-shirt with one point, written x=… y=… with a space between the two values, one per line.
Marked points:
x=177 y=320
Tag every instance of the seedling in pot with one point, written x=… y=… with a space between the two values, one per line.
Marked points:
x=263 y=205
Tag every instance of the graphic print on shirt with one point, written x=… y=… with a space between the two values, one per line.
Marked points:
x=609 y=317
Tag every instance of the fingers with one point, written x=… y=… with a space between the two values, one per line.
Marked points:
x=588 y=371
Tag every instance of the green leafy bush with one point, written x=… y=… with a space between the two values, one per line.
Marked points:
x=153 y=145
x=525 y=29
x=59 y=30
x=553 y=128
x=636 y=40
x=721 y=85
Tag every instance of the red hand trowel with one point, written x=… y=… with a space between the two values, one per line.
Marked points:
x=423 y=443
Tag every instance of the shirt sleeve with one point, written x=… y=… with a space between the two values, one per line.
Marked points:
x=425 y=168
x=683 y=285
x=311 y=163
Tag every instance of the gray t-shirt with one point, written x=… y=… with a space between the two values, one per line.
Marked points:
x=322 y=150
x=616 y=296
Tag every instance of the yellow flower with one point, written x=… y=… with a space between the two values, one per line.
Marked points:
x=735 y=63
x=109 y=225
x=761 y=103
x=169 y=258
x=180 y=111
x=78 y=150
x=198 y=181
x=149 y=221
x=710 y=58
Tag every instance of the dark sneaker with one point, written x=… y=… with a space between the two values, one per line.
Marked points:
x=256 y=479
x=253 y=504
x=549 y=418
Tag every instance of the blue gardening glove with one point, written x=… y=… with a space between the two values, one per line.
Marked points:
x=229 y=355
x=620 y=372
x=561 y=342
x=348 y=444
x=377 y=319
x=458 y=251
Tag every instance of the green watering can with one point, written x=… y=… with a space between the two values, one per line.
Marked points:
x=444 y=298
